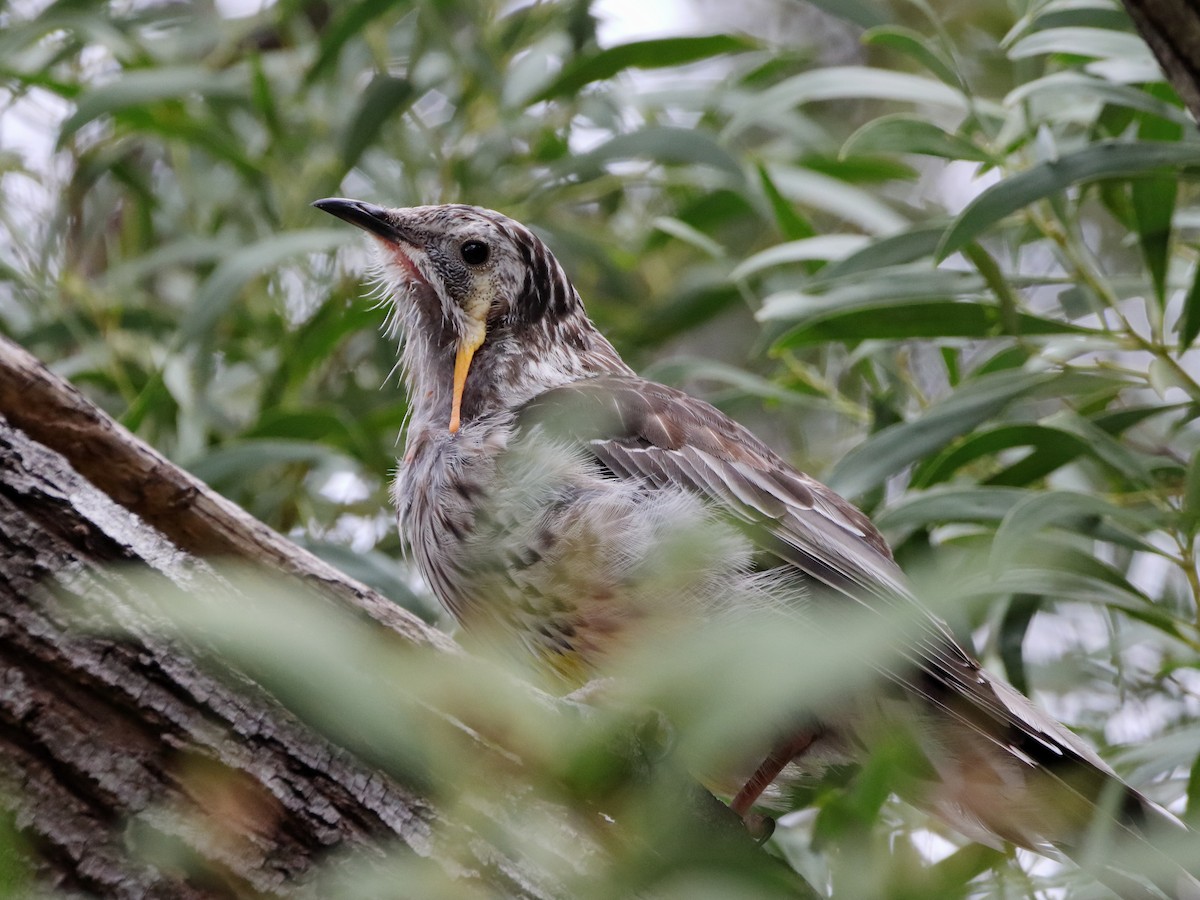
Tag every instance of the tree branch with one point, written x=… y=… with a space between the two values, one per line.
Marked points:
x=1172 y=29
x=107 y=741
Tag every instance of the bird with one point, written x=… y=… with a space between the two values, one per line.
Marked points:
x=541 y=477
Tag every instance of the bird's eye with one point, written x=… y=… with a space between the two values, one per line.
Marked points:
x=475 y=253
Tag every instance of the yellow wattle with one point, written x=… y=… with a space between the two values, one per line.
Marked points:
x=462 y=364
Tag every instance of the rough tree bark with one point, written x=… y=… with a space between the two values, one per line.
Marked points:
x=105 y=738
x=1172 y=29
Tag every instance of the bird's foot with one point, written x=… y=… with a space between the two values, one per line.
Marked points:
x=760 y=826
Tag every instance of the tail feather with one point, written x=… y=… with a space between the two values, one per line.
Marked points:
x=1028 y=781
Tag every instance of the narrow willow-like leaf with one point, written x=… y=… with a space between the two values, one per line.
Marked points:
x=233 y=459
x=1090 y=88
x=351 y=22
x=145 y=86
x=1107 y=159
x=845 y=294
x=1069 y=14
x=890 y=451
x=917 y=46
x=679 y=370
x=844 y=83
x=381 y=100
x=994 y=441
x=902 y=133
x=219 y=291
x=949 y=504
x=1014 y=625
x=822 y=247
x=1062 y=508
x=652 y=54
x=694 y=236
x=1190 y=511
x=905 y=319
x=1193 y=793
x=904 y=247
x=1095 y=42
x=846 y=201
x=1189 y=320
x=656 y=143
x=1154 y=206
x=791 y=224
x=862 y=13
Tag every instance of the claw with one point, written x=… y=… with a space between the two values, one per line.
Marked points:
x=760 y=826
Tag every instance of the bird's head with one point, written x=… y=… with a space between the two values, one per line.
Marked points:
x=484 y=287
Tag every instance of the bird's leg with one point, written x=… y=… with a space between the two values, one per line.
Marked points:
x=784 y=752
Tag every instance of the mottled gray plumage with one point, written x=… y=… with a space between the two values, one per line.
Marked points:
x=536 y=509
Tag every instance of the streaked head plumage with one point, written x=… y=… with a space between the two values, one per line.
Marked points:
x=480 y=293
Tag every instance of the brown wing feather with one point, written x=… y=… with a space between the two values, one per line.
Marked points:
x=664 y=437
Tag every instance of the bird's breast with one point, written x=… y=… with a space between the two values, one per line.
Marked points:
x=531 y=538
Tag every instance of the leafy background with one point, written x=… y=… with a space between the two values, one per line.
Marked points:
x=942 y=255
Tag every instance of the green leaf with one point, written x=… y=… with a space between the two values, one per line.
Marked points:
x=678 y=370
x=1191 y=495
x=327 y=426
x=1117 y=421
x=897 y=249
x=853 y=204
x=185 y=252
x=792 y=225
x=900 y=286
x=890 y=451
x=306 y=347
x=942 y=505
x=1193 y=793
x=917 y=46
x=1051 y=568
x=861 y=82
x=1099 y=43
x=905 y=320
x=858 y=12
x=662 y=144
x=235 y=460
x=1118 y=456
x=1011 y=638
x=1074 y=87
x=351 y=23
x=222 y=287
x=142 y=87
x=1189 y=321
x=902 y=133
x=684 y=232
x=841 y=83
x=1106 y=159
x=188 y=131
x=823 y=247
x=1064 y=446
x=687 y=308
x=1065 y=509
x=1163 y=374
x=383 y=97
x=263 y=96
x=1153 y=207
x=1068 y=15
x=659 y=53
x=865 y=169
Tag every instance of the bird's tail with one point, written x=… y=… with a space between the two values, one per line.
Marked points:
x=1142 y=837
x=1025 y=779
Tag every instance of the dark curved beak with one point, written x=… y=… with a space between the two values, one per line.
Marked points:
x=367 y=216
